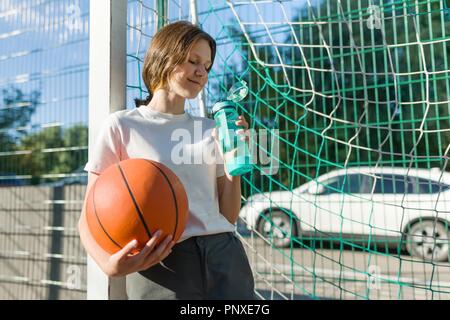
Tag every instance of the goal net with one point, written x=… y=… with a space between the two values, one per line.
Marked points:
x=349 y=195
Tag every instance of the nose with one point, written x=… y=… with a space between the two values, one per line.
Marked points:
x=201 y=71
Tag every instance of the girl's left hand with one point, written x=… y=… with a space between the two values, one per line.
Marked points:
x=244 y=133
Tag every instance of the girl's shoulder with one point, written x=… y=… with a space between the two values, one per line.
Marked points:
x=119 y=122
x=125 y=114
x=118 y=118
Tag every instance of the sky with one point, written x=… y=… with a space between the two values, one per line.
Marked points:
x=44 y=46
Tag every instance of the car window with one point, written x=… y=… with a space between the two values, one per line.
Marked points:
x=352 y=183
x=332 y=185
x=421 y=185
x=392 y=183
x=386 y=183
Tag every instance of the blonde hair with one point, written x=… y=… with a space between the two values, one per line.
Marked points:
x=169 y=48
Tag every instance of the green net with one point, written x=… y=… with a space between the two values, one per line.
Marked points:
x=359 y=94
x=349 y=101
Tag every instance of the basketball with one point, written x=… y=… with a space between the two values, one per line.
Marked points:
x=132 y=200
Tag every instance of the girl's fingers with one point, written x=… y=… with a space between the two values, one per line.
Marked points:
x=125 y=251
x=159 y=254
x=242 y=124
x=167 y=251
x=162 y=247
x=150 y=245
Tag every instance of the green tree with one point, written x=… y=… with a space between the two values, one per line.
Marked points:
x=365 y=69
x=76 y=138
x=16 y=110
x=324 y=118
x=53 y=150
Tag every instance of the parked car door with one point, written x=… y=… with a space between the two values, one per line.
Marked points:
x=389 y=201
x=343 y=205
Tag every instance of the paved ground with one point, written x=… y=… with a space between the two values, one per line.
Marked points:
x=40 y=255
x=299 y=273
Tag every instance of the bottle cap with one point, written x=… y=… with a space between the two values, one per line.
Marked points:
x=238 y=91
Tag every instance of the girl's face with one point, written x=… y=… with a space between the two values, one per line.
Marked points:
x=189 y=78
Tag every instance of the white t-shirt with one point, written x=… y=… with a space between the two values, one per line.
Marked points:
x=181 y=142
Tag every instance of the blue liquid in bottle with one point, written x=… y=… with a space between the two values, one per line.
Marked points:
x=237 y=157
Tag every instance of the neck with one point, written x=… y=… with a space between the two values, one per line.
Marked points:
x=167 y=102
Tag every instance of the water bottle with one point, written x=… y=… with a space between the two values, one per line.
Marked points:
x=235 y=151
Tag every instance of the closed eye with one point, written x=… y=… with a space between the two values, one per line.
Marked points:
x=206 y=68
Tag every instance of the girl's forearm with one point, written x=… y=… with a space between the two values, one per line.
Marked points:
x=230 y=198
x=92 y=248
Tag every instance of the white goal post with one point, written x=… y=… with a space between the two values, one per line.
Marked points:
x=107 y=93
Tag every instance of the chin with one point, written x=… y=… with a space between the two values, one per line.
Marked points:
x=192 y=95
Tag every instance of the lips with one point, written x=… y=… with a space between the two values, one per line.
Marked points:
x=194 y=82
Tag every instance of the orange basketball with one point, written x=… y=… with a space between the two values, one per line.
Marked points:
x=132 y=200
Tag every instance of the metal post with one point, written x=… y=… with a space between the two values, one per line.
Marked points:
x=57 y=241
x=193 y=9
x=107 y=93
x=194 y=20
x=161 y=10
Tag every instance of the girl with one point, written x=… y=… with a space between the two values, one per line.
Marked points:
x=209 y=261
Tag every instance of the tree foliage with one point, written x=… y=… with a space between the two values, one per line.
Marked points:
x=32 y=150
x=346 y=94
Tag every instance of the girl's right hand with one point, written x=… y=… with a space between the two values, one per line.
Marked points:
x=123 y=262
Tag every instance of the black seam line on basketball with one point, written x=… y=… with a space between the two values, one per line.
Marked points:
x=98 y=218
x=174 y=198
x=138 y=210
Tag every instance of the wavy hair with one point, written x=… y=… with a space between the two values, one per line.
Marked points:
x=169 y=48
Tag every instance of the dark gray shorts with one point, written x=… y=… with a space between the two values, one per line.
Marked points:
x=203 y=267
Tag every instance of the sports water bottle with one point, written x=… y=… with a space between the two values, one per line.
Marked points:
x=235 y=151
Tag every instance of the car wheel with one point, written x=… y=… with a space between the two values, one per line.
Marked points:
x=276 y=225
x=428 y=240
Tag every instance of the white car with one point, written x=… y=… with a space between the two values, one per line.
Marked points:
x=406 y=207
